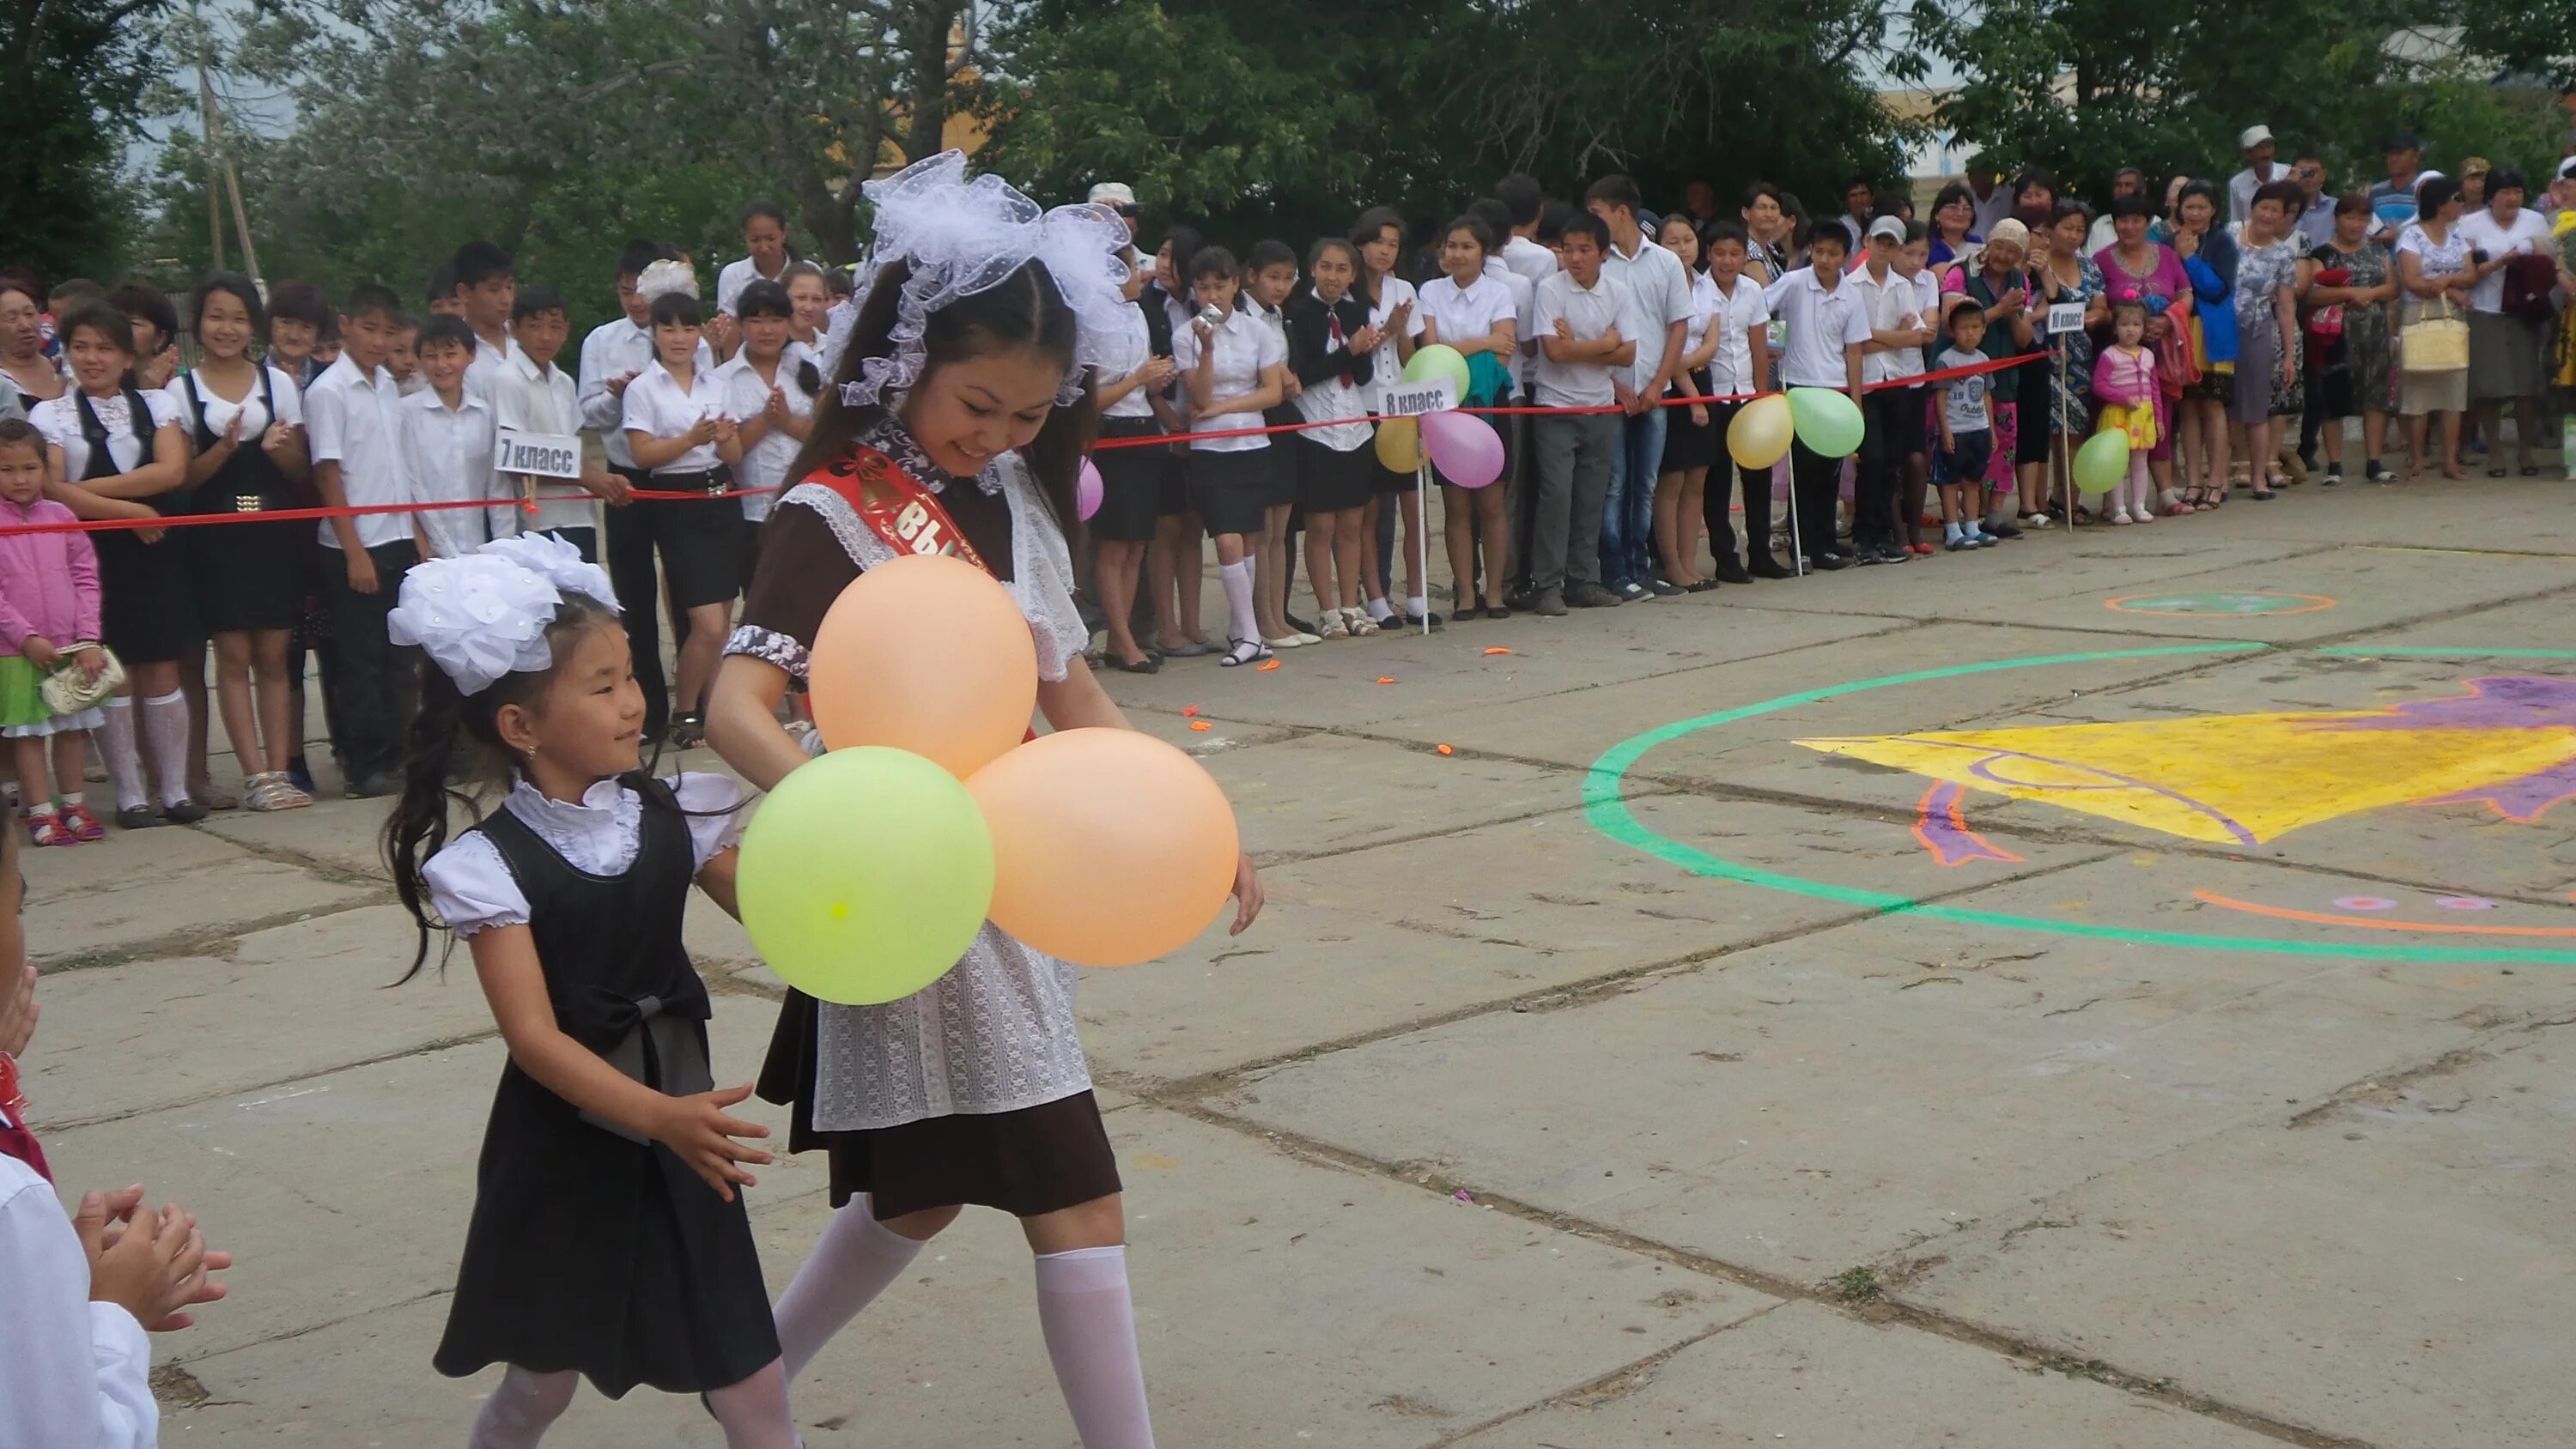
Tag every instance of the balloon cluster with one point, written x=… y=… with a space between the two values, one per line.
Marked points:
x=868 y=872
x=1465 y=450
x=1827 y=421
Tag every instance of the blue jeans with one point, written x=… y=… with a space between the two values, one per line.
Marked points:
x=1628 y=516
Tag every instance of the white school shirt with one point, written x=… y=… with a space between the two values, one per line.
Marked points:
x=254 y=413
x=2529 y=233
x=71 y=1371
x=738 y=274
x=1528 y=259
x=1732 y=369
x=1589 y=313
x=1334 y=399
x=528 y=399
x=600 y=834
x=1657 y=279
x=657 y=404
x=1388 y=369
x=1524 y=294
x=1821 y=325
x=765 y=463
x=490 y=364
x=1888 y=306
x=451 y=461
x=1243 y=346
x=1465 y=313
x=1126 y=350
x=354 y=420
x=613 y=349
x=58 y=418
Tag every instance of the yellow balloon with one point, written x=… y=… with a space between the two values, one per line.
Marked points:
x=1399 y=444
x=1759 y=436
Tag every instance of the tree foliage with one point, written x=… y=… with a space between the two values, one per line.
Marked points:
x=75 y=75
x=2088 y=86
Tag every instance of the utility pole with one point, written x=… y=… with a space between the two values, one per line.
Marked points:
x=218 y=159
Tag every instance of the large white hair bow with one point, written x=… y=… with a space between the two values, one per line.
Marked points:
x=483 y=615
x=962 y=236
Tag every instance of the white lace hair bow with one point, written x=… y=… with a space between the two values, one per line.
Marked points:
x=962 y=237
x=665 y=276
x=483 y=615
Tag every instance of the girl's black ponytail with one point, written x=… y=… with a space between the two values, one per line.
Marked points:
x=808 y=376
x=418 y=829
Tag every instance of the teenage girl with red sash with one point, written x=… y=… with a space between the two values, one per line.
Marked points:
x=962 y=400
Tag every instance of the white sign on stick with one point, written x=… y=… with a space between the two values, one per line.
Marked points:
x=546 y=455
x=1412 y=399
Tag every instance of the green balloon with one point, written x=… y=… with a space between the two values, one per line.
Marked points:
x=1828 y=421
x=2102 y=462
x=1439 y=360
x=865 y=875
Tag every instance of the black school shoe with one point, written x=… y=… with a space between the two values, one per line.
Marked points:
x=1830 y=561
x=1731 y=571
x=1764 y=567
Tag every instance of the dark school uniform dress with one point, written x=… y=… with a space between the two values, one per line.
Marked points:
x=147 y=591
x=1337 y=467
x=974 y=1089
x=249 y=575
x=589 y=1250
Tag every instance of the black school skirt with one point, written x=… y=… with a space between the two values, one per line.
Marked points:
x=147 y=595
x=1231 y=491
x=700 y=538
x=1027 y=1163
x=1331 y=480
x=1131 y=483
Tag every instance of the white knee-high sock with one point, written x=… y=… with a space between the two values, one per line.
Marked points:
x=165 y=732
x=753 y=1413
x=521 y=1408
x=116 y=749
x=1237 y=578
x=1090 y=1327
x=855 y=1260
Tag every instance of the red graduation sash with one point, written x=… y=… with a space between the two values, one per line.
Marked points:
x=895 y=506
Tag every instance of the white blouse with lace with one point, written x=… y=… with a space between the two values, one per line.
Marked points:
x=473 y=890
x=996 y=1034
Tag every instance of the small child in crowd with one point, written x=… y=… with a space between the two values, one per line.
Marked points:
x=1967 y=432
x=2124 y=381
x=49 y=616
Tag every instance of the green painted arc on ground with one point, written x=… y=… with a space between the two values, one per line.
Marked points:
x=1606 y=807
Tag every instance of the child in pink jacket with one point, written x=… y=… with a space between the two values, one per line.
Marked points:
x=48 y=604
x=2124 y=382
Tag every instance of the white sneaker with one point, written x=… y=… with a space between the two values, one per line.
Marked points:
x=2121 y=517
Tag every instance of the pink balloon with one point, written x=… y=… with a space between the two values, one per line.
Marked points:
x=1086 y=490
x=1463 y=448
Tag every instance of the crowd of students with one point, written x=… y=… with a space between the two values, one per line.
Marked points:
x=2230 y=331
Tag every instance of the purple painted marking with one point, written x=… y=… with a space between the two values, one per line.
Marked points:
x=2499 y=702
x=2464 y=903
x=2365 y=903
x=1950 y=842
x=1984 y=770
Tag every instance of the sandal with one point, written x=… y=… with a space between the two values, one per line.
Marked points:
x=688 y=731
x=1187 y=649
x=84 y=826
x=2264 y=495
x=1361 y=624
x=273 y=791
x=1147 y=665
x=1246 y=651
x=50 y=830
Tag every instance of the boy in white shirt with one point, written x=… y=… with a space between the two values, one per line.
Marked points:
x=532 y=395
x=448 y=431
x=1741 y=365
x=1661 y=287
x=487 y=287
x=1828 y=332
x=1584 y=353
x=1892 y=416
x=351 y=415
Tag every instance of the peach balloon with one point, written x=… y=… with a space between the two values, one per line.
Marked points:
x=1109 y=847
x=928 y=654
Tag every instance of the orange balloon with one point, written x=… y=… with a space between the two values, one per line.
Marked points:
x=928 y=654
x=1109 y=847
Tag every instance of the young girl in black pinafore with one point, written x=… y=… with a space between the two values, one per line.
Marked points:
x=248 y=420
x=607 y=1239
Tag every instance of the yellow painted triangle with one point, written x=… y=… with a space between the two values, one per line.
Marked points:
x=2222 y=778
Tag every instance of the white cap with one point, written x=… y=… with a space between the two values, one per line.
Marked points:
x=1891 y=227
x=2567 y=168
x=2254 y=136
x=1112 y=193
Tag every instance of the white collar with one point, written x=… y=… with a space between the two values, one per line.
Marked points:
x=427 y=400
x=603 y=795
